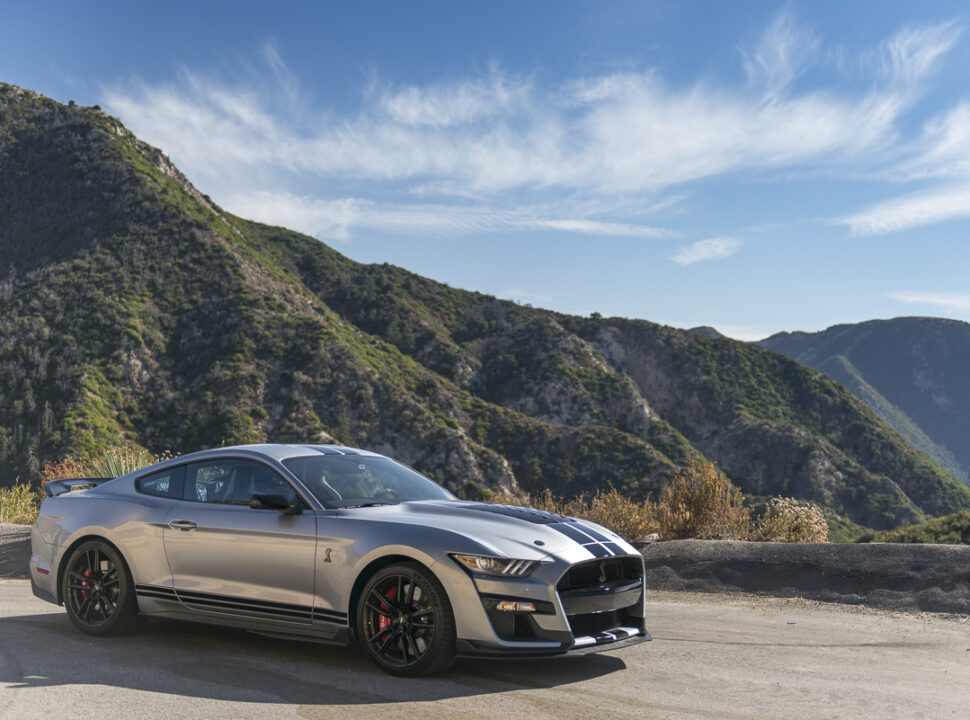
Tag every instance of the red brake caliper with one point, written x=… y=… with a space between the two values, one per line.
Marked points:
x=87 y=573
x=384 y=621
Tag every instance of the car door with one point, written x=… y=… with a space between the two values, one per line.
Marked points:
x=228 y=558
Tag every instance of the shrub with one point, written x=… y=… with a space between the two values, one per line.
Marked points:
x=625 y=517
x=788 y=520
x=19 y=504
x=702 y=503
x=113 y=462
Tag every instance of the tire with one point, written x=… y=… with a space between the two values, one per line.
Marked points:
x=405 y=622
x=98 y=591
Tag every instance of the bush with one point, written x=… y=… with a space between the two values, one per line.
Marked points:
x=19 y=504
x=625 y=517
x=788 y=520
x=702 y=503
x=113 y=462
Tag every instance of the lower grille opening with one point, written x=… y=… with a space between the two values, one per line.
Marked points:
x=512 y=626
x=594 y=623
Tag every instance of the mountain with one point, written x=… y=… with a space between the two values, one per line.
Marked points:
x=914 y=372
x=133 y=309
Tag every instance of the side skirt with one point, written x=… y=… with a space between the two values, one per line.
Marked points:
x=157 y=601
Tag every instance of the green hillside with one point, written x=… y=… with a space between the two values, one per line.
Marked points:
x=948 y=530
x=132 y=309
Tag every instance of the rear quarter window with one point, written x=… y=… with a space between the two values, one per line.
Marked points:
x=164 y=483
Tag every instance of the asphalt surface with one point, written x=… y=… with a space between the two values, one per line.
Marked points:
x=713 y=657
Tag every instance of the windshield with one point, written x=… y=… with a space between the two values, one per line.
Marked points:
x=353 y=480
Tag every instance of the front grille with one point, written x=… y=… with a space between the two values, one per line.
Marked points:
x=594 y=573
x=591 y=591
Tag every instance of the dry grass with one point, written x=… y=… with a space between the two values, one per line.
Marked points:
x=113 y=462
x=610 y=509
x=788 y=520
x=19 y=504
x=702 y=503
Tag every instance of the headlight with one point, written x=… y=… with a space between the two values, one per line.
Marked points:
x=503 y=567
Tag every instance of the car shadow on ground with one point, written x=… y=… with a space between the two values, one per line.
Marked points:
x=193 y=660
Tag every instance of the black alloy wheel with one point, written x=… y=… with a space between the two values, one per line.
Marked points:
x=405 y=621
x=98 y=591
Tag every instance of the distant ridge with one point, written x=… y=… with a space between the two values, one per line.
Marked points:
x=914 y=372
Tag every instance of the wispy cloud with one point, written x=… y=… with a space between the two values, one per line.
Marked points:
x=942 y=152
x=333 y=219
x=459 y=103
x=490 y=150
x=911 y=211
x=709 y=249
x=784 y=51
x=952 y=302
x=914 y=52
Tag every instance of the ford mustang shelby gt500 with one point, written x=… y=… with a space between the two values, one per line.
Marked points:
x=333 y=544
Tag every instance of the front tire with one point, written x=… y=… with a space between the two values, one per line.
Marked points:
x=405 y=621
x=98 y=591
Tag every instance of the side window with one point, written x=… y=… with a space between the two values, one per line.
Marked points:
x=233 y=482
x=165 y=483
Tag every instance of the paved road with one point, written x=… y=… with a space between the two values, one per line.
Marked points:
x=713 y=657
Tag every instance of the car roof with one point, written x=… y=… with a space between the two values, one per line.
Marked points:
x=271 y=451
x=279 y=451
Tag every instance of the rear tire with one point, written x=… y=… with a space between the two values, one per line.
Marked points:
x=405 y=621
x=98 y=591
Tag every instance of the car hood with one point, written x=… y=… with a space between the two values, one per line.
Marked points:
x=505 y=530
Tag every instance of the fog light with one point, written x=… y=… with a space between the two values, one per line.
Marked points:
x=515 y=606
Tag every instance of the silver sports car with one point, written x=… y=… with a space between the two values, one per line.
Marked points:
x=333 y=544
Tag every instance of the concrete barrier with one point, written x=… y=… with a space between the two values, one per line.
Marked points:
x=934 y=578
x=14 y=551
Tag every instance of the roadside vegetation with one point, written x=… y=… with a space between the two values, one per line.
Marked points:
x=700 y=502
x=20 y=503
x=949 y=530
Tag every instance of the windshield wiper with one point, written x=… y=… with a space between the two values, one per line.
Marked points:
x=369 y=504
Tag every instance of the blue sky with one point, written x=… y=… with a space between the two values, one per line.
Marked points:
x=752 y=166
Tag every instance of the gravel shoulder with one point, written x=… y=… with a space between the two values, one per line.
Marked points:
x=714 y=656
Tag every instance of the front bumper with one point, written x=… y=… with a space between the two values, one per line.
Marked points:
x=576 y=612
x=584 y=645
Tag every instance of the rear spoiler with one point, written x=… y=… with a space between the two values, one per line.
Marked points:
x=52 y=488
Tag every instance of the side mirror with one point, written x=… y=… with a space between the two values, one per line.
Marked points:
x=274 y=501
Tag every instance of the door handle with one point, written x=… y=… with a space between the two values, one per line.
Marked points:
x=182 y=524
